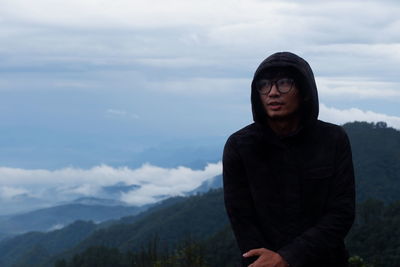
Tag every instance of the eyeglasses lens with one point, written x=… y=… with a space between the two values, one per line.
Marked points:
x=283 y=85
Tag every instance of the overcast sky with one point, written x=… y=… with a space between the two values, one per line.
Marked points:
x=86 y=82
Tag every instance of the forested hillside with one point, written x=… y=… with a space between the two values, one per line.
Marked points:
x=197 y=217
x=376 y=155
x=374 y=241
x=35 y=247
x=194 y=231
x=375 y=235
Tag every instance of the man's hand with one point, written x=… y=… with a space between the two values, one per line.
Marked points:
x=266 y=258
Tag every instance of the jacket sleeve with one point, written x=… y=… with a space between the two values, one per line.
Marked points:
x=238 y=201
x=330 y=230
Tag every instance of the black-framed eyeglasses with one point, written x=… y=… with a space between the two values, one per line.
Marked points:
x=284 y=85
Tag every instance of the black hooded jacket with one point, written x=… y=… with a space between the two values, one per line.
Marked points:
x=293 y=195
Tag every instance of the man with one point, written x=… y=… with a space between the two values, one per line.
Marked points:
x=288 y=177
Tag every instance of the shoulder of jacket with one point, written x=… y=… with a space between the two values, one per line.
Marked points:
x=247 y=134
x=330 y=129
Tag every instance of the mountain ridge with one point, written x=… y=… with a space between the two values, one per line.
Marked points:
x=188 y=215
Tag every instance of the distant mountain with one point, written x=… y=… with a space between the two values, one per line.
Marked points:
x=86 y=208
x=59 y=216
x=213 y=183
x=171 y=220
x=21 y=203
x=98 y=201
x=23 y=250
x=119 y=188
x=3 y=236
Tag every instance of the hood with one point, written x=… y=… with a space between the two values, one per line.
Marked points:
x=304 y=80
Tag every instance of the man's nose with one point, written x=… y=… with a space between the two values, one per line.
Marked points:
x=274 y=91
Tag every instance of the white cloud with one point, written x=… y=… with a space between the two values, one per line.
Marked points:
x=70 y=183
x=137 y=13
x=56 y=227
x=357 y=87
x=182 y=33
x=339 y=116
x=160 y=182
x=201 y=41
x=8 y=192
x=83 y=190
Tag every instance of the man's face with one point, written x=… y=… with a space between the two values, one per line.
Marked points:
x=280 y=105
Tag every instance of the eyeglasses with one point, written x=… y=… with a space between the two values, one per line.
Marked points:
x=283 y=85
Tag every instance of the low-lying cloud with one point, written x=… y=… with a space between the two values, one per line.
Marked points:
x=341 y=116
x=48 y=187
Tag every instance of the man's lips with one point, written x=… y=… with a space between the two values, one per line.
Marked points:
x=275 y=105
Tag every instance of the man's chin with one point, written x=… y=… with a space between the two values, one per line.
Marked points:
x=277 y=117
